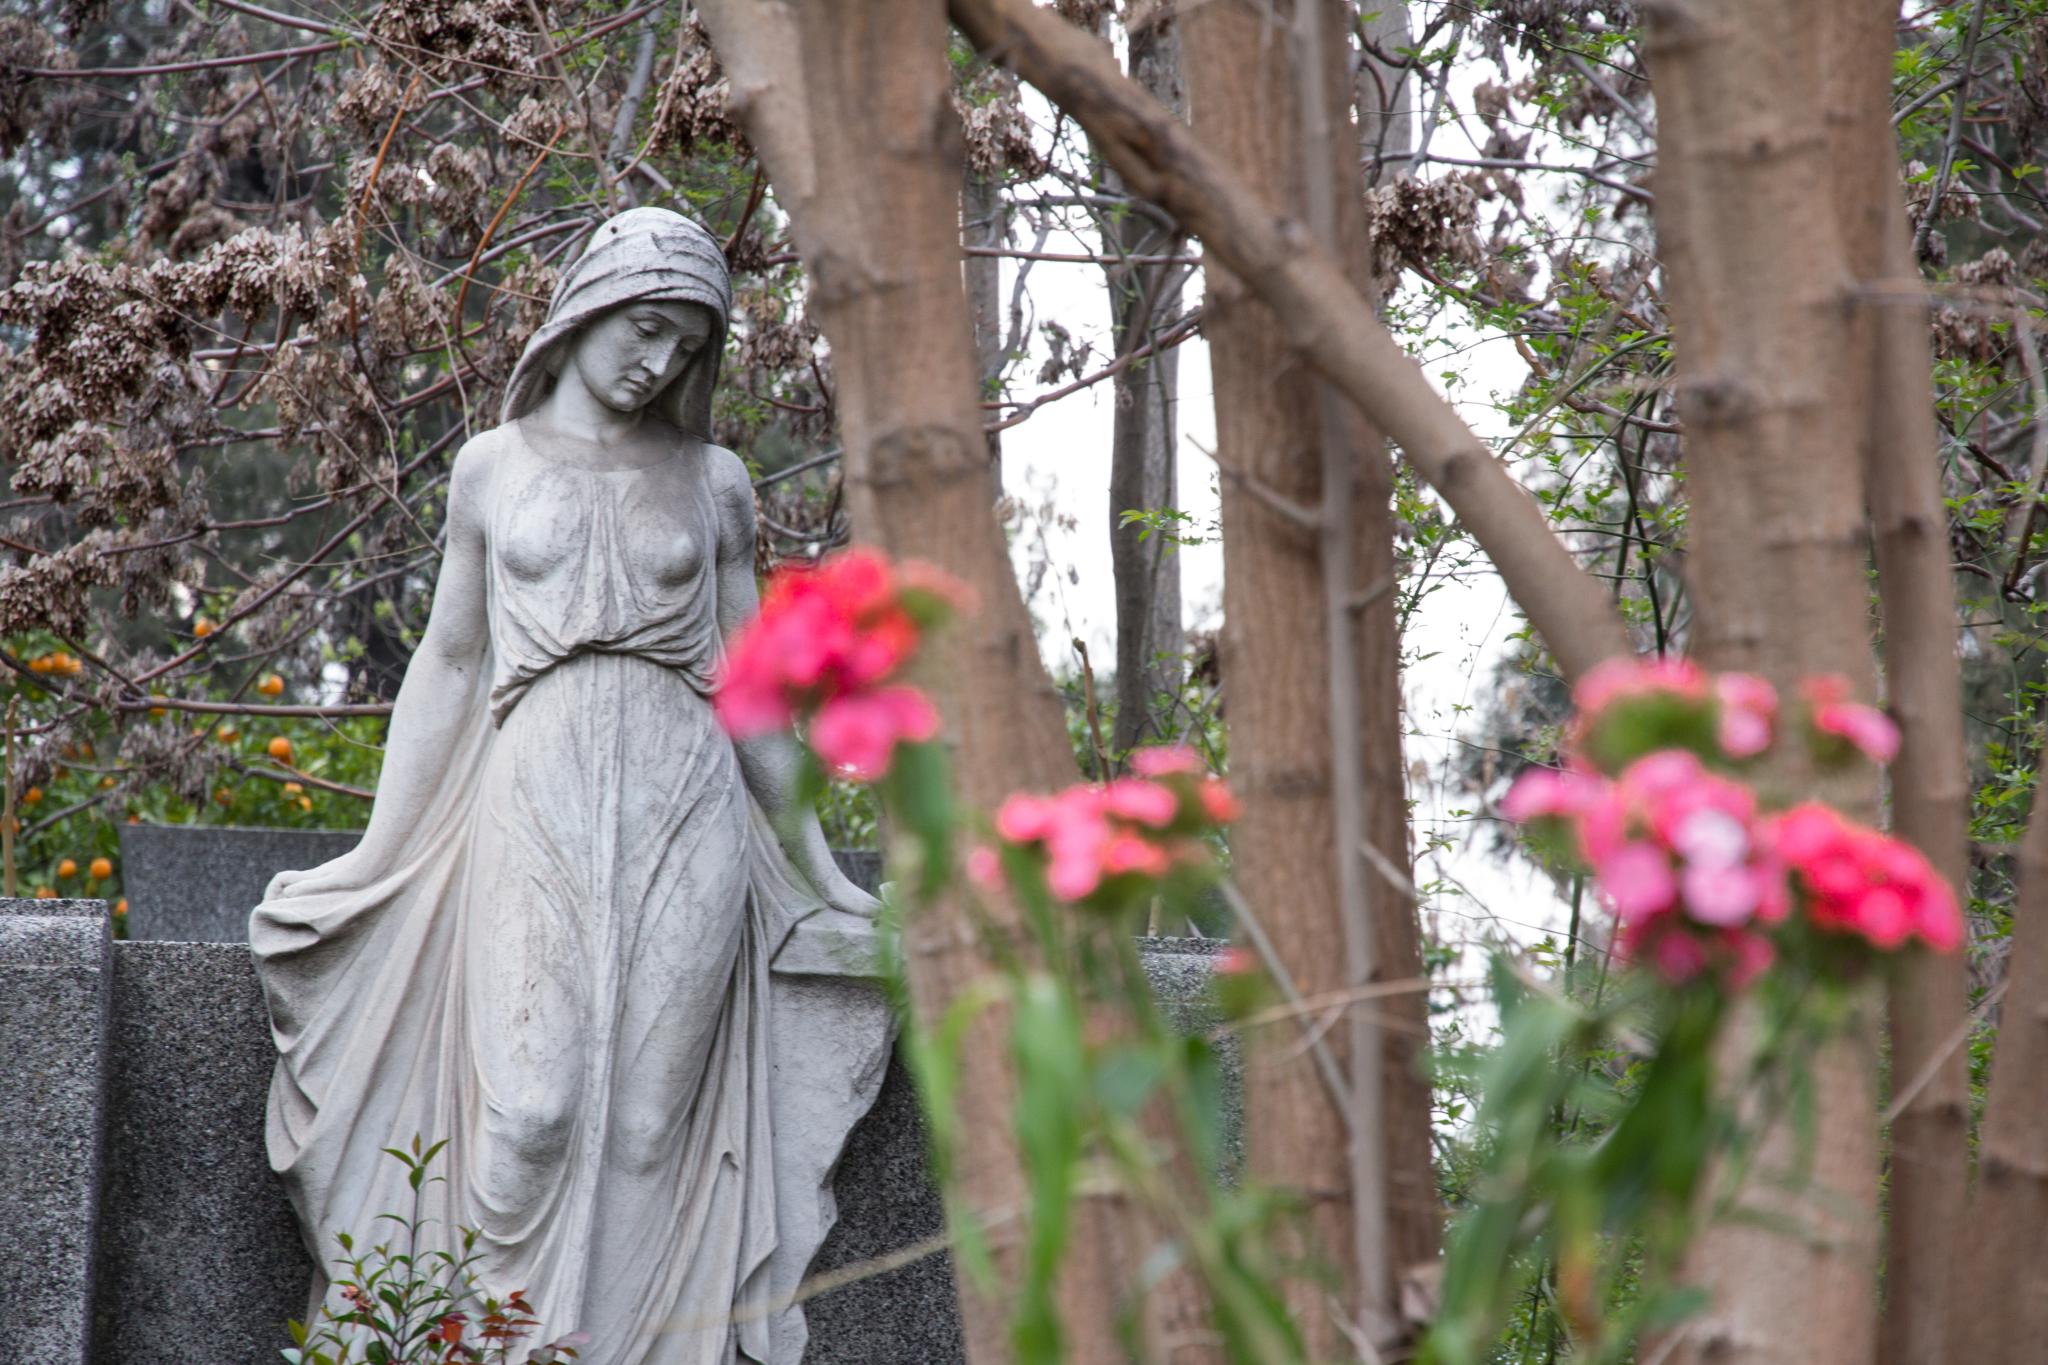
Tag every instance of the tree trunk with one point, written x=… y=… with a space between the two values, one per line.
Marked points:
x=1275 y=423
x=984 y=222
x=847 y=106
x=1755 y=281
x=1929 y=1067
x=2000 y=1310
x=1145 y=434
x=1322 y=313
x=1385 y=97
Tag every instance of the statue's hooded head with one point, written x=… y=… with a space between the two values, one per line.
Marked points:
x=642 y=256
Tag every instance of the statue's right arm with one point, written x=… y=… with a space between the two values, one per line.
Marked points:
x=430 y=712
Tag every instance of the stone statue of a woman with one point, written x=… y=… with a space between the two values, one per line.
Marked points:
x=552 y=947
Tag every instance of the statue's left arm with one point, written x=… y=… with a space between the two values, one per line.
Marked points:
x=771 y=763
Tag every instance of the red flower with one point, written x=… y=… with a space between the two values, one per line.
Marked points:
x=826 y=644
x=857 y=734
x=1859 y=881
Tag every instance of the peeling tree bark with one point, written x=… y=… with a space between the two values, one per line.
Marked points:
x=1758 y=287
x=1324 y=316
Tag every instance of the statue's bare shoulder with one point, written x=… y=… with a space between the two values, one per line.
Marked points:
x=732 y=489
x=470 y=475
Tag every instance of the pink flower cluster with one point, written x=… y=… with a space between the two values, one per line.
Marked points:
x=1697 y=874
x=1096 y=841
x=1677 y=851
x=826 y=645
x=1740 y=710
x=1855 y=880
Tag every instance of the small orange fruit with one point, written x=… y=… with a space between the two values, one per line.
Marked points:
x=101 y=869
x=306 y=803
x=227 y=734
x=134 y=819
x=31 y=796
x=280 y=749
x=120 y=907
x=85 y=749
x=224 y=796
x=158 y=710
x=46 y=893
x=202 y=627
x=67 y=868
x=271 y=686
x=294 y=789
x=106 y=783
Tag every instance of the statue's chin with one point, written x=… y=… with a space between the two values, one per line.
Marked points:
x=626 y=399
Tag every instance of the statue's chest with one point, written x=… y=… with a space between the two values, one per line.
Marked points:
x=554 y=522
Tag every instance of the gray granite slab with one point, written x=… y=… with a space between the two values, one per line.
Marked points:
x=197 y=1244
x=56 y=989
x=198 y=883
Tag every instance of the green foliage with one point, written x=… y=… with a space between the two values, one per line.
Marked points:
x=409 y=1300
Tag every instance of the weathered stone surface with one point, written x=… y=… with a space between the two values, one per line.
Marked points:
x=56 y=986
x=197 y=883
x=199 y=1256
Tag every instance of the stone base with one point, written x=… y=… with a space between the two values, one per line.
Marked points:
x=144 y=1225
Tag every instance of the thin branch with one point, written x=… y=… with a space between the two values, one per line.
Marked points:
x=1955 y=132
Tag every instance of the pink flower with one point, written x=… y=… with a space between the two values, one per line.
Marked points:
x=1748 y=706
x=749 y=706
x=1024 y=818
x=1616 y=679
x=1678 y=956
x=1074 y=873
x=1870 y=731
x=1147 y=803
x=1128 y=853
x=985 y=868
x=857 y=734
x=1542 y=793
x=1859 y=881
x=1219 y=804
x=1637 y=881
x=1165 y=760
x=1866 y=727
x=1720 y=896
x=1236 y=960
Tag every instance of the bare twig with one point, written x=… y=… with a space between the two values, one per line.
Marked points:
x=1955 y=132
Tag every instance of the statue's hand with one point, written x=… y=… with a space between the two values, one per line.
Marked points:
x=841 y=894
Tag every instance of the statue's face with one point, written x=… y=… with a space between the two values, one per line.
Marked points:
x=635 y=351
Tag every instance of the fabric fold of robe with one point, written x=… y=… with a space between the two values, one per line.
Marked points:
x=564 y=972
